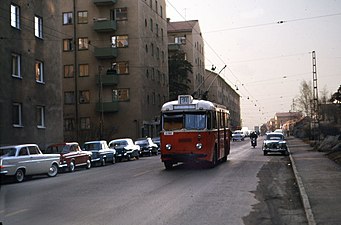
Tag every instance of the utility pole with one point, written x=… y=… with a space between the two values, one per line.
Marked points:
x=315 y=110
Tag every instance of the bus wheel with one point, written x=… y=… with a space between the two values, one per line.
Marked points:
x=224 y=159
x=213 y=163
x=168 y=165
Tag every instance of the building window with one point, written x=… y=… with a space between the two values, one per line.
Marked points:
x=38 y=26
x=67 y=18
x=121 y=67
x=83 y=43
x=68 y=71
x=17 y=115
x=157 y=29
x=120 y=41
x=120 y=14
x=15 y=16
x=16 y=65
x=69 y=97
x=180 y=40
x=85 y=123
x=120 y=94
x=67 y=45
x=161 y=11
x=152 y=47
x=145 y=23
x=84 y=97
x=82 y=17
x=39 y=72
x=69 y=124
x=161 y=34
x=83 y=70
x=40 y=115
x=151 y=24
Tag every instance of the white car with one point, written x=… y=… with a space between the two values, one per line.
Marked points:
x=238 y=135
x=125 y=148
x=23 y=160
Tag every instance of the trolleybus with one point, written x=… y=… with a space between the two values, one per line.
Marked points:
x=194 y=131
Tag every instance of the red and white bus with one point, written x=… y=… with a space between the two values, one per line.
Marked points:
x=194 y=131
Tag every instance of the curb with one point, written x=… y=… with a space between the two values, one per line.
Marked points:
x=304 y=196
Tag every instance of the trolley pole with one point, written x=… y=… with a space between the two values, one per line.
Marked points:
x=315 y=128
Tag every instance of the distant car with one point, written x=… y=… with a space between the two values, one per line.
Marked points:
x=156 y=140
x=71 y=155
x=25 y=160
x=147 y=146
x=101 y=153
x=275 y=142
x=238 y=135
x=279 y=131
x=125 y=149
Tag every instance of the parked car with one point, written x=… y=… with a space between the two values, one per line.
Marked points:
x=26 y=160
x=71 y=155
x=156 y=140
x=125 y=149
x=101 y=153
x=147 y=146
x=275 y=142
x=238 y=135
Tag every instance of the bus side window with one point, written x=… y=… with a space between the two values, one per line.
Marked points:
x=209 y=120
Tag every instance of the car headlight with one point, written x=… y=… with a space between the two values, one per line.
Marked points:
x=198 y=146
x=168 y=147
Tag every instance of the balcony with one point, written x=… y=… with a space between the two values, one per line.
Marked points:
x=105 y=53
x=107 y=107
x=110 y=78
x=174 y=47
x=104 y=2
x=105 y=25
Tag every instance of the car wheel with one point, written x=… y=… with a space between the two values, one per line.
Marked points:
x=88 y=164
x=20 y=175
x=53 y=170
x=103 y=162
x=72 y=166
x=113 y=160
x=137 y=157
x=265 y=152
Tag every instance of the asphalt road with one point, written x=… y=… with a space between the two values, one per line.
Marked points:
x=248 y=189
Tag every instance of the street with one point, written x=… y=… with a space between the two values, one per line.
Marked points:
x=248 y=189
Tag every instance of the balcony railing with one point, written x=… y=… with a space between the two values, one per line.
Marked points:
x=174 y=47
x=110 y=78
x=107 y=107
x=105 y=53
x=104 y=2
x=105 y=25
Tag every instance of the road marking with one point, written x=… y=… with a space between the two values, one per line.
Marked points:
x=139 y=174
x=16 y=212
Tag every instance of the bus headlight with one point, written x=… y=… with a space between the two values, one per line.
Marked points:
x=168 y=147
x=199 y=146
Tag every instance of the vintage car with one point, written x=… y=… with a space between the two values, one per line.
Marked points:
x=125 y=149
x=147 y=146
x=71 y=155
x=26 y=160
x=275 y=142
x=101 y=153
x=238 y=135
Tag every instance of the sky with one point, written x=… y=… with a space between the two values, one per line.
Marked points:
x=267 y=47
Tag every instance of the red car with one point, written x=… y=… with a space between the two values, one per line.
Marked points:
x=71 y=155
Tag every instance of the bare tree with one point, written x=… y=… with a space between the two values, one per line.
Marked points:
x=324 y=96
x=304 y=100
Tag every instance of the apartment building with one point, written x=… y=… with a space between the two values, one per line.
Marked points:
x=115 y=68
x=221 y=92
x=186 y=36
x=30 y=93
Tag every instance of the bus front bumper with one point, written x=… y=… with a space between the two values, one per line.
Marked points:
x=183 y=157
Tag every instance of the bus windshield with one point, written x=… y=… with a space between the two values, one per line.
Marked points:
x=188 y=121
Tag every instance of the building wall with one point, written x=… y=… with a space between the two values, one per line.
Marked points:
x=221 y=92
x=25 y=89
x=193 y=46
x=136 y=115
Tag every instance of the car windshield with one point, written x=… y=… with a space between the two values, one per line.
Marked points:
x=92 y=146
x=188 y=121
x=119 y=144
x=142 y=142
x=58 y=149
x=274 y=137
x=7 y=152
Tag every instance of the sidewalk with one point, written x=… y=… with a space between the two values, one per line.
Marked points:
x=319 y=181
